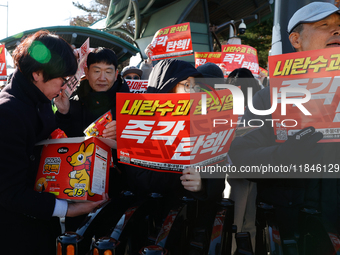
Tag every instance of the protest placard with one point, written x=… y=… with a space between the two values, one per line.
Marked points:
x=82 y=56
x=316 y=72
x=137 y=86
x=172 y=41
x=168 y=132
x=205 y=57
x=263 y=71
x=240 y=56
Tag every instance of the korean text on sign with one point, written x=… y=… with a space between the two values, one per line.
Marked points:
x=167 y=132
x=172 y=42
x=318 y=72
x=240 y=56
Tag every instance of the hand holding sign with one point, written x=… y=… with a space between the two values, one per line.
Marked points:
x=191 y=179
x=110 y=130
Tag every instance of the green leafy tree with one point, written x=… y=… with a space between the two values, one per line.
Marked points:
x=97 y=11
x=260 y=37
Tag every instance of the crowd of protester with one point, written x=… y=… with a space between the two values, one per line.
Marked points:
x=27 y=118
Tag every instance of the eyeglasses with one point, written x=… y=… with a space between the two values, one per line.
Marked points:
x=190 y=88
x=65 y=80
x=135 y=77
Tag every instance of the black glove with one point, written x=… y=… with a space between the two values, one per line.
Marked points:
x=301 y=148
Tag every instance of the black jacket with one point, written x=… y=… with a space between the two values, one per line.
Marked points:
x=86 y=106
x=259 y=147
x=163 y=78
x=25 y=215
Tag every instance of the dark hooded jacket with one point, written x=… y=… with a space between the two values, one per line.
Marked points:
x=163 y=78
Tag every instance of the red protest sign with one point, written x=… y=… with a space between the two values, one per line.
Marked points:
x=82 y=56
x=137 y=86
x=204 y=57
x=238 y=55
x=263 y=71
x=3 y=68
x=172 y=41
x=167 y=132
x=317 y=71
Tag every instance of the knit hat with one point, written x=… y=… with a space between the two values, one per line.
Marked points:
x=132 y=69
x=210 y=70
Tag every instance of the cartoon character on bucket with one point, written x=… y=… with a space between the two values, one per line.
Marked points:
x=79 y=177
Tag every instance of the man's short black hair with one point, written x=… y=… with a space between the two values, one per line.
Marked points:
x=102 y=55
x=46 y=52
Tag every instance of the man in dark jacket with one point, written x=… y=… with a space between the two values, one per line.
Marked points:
x=93 y=97
x=29 y=219
x=314 y=26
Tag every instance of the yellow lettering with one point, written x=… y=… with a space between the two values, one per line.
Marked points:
x=287 y=67
x=124 y=109
x=135 y=107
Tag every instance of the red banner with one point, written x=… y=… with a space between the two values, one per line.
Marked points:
x=137 y=86
x=238 y=55
x=3 y=68
x=172 y=41
x=167 y=132
x=317 y=71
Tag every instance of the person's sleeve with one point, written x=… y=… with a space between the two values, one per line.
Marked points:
x=71 y=123
x=146 y=68
x=212 y=190
x=60 y=208
x=254 y=148
x=258 y=145
x=62 y=119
